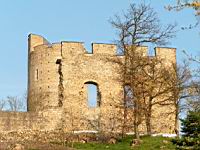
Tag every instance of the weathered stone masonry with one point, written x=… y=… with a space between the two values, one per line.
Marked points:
x=57 y=96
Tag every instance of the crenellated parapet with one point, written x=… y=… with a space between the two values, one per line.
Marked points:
x=35 y=40
x=166 y=54
x=100 y=48
x=72 y=48
x=67 y=48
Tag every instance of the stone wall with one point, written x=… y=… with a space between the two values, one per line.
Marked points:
x=49 y=119
x=14 y=121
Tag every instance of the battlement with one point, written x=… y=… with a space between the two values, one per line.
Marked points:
x=101 y=48
x=35 y=40
x=75 y=48
x=166 y=53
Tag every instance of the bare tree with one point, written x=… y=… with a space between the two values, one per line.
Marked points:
x=137 y=26
x=15 y=103
x=181 y=4
x=193 y=102
x=155 y=89
x=181 y=85
x=187 y=92
x=2 y=104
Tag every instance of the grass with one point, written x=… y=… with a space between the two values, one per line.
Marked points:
x=149 y=143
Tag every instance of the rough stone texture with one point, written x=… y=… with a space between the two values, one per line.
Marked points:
x=57 y=94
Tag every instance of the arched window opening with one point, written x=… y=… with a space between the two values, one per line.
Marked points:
x=128 y=97
x=93 y=94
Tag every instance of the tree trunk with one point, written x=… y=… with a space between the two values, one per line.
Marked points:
x=148 y=123
x=124 y=122
x=176 y=125
x=136 y=130
x=148 y=117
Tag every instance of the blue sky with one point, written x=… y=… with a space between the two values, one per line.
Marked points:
x=73 y=20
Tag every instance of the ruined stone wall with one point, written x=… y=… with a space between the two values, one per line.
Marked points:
x=79 y=68
x=14 y=121
x=64 y=68
x=22 y=121
x=57 y=94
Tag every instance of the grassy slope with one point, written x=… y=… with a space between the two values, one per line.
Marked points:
x=149 y=143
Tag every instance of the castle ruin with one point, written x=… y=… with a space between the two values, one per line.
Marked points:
x=58 y=74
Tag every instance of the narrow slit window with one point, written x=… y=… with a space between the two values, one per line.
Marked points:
x=36 y=74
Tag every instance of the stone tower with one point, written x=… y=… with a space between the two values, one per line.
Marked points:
x=57 y=78
x=43 y=76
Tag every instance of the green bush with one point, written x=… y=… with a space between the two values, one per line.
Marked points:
x=191 y=132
